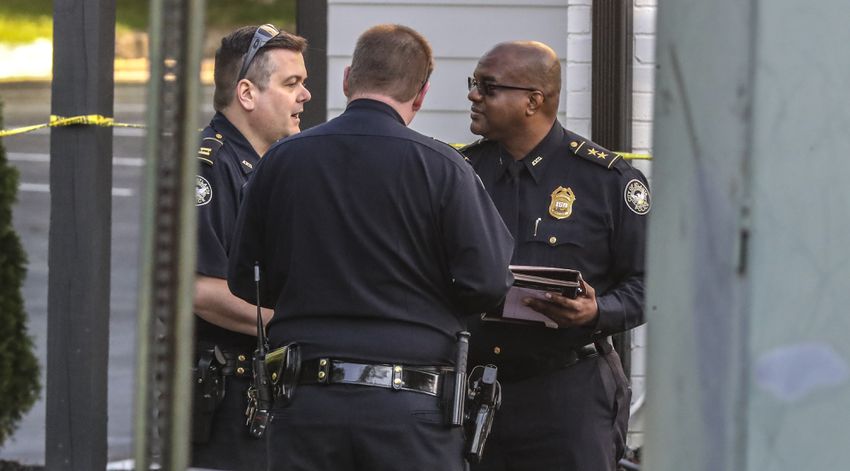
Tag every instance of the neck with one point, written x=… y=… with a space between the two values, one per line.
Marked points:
x=521 y=143
x=240 y=122
x=404 y=109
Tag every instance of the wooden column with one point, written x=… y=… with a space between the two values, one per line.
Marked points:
x=312 y=23
x=611 y=99
x=79 y=250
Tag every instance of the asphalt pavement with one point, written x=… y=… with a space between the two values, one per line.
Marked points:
x=27 y=104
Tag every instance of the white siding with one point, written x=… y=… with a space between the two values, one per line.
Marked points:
x=459 y=33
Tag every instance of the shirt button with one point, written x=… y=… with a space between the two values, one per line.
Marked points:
x=242 y=358
x=497 y=350
x=553 y=240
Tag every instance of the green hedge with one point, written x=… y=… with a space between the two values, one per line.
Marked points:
x=19 y=378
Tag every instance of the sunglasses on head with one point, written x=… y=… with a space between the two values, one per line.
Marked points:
x=263 y=35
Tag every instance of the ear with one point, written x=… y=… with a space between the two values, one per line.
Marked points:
x=420 y=97
x=345 y=80
x=535 y=103
x=246 y=95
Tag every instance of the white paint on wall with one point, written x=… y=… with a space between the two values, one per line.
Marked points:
x=459 y=33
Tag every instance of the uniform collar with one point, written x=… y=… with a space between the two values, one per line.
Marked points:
x=248 y=157
x=374 y=105
x=539 y=157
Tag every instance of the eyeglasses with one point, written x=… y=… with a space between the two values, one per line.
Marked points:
x=486 y=88
x=263 y=35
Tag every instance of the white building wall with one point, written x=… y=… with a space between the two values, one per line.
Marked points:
x=460 y=31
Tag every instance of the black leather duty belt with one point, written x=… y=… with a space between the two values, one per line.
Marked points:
x=237 y=364
x=518 y=370
x=421 y=379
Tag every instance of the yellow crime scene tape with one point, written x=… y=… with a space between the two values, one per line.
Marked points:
x=100 y=120
x=60 y=121
x=631 y=156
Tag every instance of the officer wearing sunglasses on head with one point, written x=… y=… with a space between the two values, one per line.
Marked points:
x=569 y=203
x=259 y=95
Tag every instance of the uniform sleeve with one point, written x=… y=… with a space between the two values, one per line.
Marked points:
x=217 y=198
x=479 y=246
x=622 y=306
x=248 y=242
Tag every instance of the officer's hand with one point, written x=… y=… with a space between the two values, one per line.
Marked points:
x=567 y=312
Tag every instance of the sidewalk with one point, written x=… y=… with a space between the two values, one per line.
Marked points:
x=33 y=62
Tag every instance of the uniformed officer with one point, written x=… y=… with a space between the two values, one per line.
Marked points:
x=375 y=242
x=568 y=203
x=259 y=93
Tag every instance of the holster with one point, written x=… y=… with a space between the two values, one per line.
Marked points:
x=484 y=399
x=284 y=367
x=209 y=386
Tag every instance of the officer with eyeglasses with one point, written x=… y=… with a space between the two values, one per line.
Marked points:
x=569 y=203
x=259 y=95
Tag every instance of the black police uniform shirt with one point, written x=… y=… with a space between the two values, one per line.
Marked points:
x=374 y=241
x=572 y=204
x=226 y=161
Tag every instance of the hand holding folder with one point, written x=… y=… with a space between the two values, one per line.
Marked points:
x=535 y=282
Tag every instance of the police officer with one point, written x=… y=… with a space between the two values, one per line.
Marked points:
x=259 y=93
x=374 y=243
x=568 y=203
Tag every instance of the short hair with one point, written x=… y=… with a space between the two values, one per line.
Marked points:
x=231 y=53
x=394 y=60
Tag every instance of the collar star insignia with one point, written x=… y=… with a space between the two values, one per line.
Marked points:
x=592 y=151
x=602 y=155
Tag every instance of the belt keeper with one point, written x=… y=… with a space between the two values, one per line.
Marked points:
x=397 y=381
x=324 y=371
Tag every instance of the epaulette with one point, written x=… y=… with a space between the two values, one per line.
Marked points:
x=470 y=146
x=591 y=151
x=464 y=149
x=211 y=142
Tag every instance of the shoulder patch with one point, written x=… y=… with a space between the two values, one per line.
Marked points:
x=211 y=142
x=637 y=197
x=591 y=151
x=203 y=191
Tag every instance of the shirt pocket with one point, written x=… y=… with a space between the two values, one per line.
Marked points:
x=555 y=234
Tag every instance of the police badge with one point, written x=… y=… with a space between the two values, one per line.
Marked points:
x=561 y=205
x=203 y=191
x=637 y=197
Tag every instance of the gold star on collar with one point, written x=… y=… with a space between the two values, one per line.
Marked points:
x=602 y=155
x=592 y=151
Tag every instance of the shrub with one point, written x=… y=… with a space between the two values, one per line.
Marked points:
x=19 y=377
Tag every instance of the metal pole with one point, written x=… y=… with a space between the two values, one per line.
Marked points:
x=163 y=394
x=80 y=236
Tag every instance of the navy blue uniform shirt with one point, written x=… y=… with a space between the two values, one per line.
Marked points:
x=571 y=204
x=227 y=159
x=374 y=241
